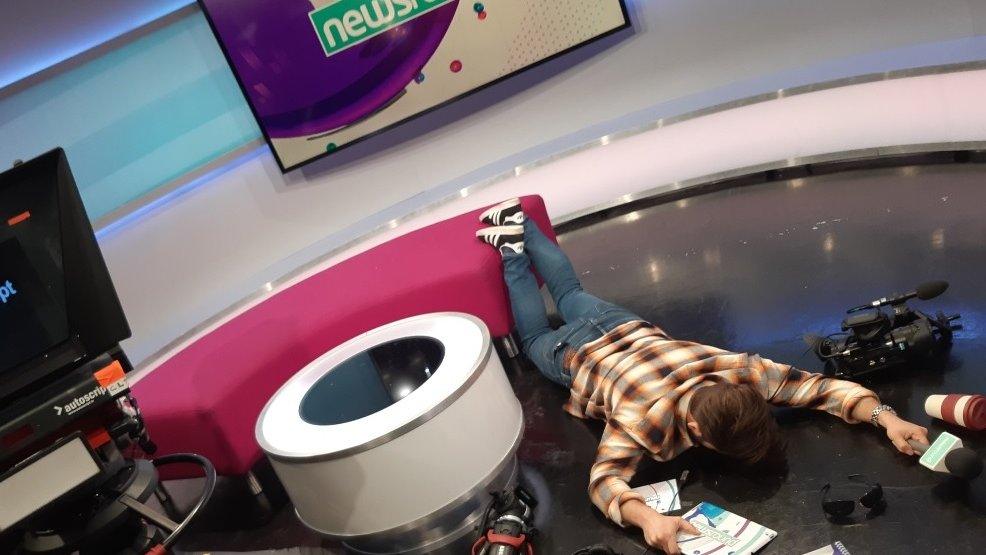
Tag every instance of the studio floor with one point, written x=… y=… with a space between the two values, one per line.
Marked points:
x=754 y=268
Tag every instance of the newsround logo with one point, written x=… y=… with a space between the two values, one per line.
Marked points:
x=347 y=23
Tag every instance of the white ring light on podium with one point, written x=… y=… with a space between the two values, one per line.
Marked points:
x=382 y=453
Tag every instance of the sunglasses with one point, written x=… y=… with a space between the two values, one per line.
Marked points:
x=844 y=507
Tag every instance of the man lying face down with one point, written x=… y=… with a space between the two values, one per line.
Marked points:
x=658 y=395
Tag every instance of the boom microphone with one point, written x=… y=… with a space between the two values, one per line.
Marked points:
x=925 y=291
x=947 y=455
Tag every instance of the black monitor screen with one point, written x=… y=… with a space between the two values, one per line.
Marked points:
x=33 y=312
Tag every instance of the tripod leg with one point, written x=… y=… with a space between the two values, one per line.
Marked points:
x=148 y=513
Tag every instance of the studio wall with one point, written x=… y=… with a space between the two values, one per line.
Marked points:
x=224 y=236
x=134 y=118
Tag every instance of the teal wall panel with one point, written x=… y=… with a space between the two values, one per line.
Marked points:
x=134 y=118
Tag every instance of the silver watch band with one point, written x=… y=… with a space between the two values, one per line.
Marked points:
x=879 y=410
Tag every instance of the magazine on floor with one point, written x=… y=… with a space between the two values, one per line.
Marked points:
x=661 y=496
x=721 y=528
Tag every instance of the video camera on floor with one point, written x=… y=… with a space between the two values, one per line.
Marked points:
x=67 y=419
x=873 y=339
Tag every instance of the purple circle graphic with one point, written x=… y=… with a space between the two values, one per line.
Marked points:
x=295 y=88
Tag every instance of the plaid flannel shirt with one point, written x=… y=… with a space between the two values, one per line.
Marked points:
x=640 y=381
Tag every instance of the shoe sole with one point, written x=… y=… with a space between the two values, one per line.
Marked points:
x=501 y=230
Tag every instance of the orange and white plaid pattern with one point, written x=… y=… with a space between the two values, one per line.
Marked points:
x=640 y=381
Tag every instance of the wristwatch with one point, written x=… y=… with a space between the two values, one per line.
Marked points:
x=879 y=410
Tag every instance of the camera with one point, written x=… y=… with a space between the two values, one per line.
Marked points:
x=874 y=338
x=69 y=482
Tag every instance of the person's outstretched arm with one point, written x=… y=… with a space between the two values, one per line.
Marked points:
x=616 y=462
x=898 y=429
x=786 y=386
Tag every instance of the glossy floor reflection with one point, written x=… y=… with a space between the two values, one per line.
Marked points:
x=753 y=269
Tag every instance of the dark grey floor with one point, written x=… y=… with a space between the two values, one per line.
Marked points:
x=753 y=269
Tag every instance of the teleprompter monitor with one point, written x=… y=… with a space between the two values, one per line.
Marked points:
x=58 y=306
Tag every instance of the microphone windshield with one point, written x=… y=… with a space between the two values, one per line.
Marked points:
x=931 y=289
x=964 y=463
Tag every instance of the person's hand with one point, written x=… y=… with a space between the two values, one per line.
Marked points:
x=662 y=531
x=900 y=430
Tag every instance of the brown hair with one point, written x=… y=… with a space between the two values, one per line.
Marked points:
x=736 y=421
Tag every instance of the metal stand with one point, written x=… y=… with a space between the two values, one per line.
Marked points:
x=117 y=518
x=264 y=505
x=509 y=345
x=449 y=531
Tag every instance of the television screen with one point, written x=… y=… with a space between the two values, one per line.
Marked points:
x=323 y=74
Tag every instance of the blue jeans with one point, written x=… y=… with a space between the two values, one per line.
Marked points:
x=587 y=317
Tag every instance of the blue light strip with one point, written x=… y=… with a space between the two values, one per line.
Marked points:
x=171 y=196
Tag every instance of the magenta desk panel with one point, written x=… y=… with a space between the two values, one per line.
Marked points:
x=206 y=398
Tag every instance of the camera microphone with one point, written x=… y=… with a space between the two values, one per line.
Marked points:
x=930 y=289
x=947 y=455
x=925 y=291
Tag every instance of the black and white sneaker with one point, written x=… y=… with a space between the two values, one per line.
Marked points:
x=506 y=238
x=505 y=213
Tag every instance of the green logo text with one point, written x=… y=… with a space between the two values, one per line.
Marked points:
x=347 y=23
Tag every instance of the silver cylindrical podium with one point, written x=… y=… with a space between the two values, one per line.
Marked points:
x=392 y=441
